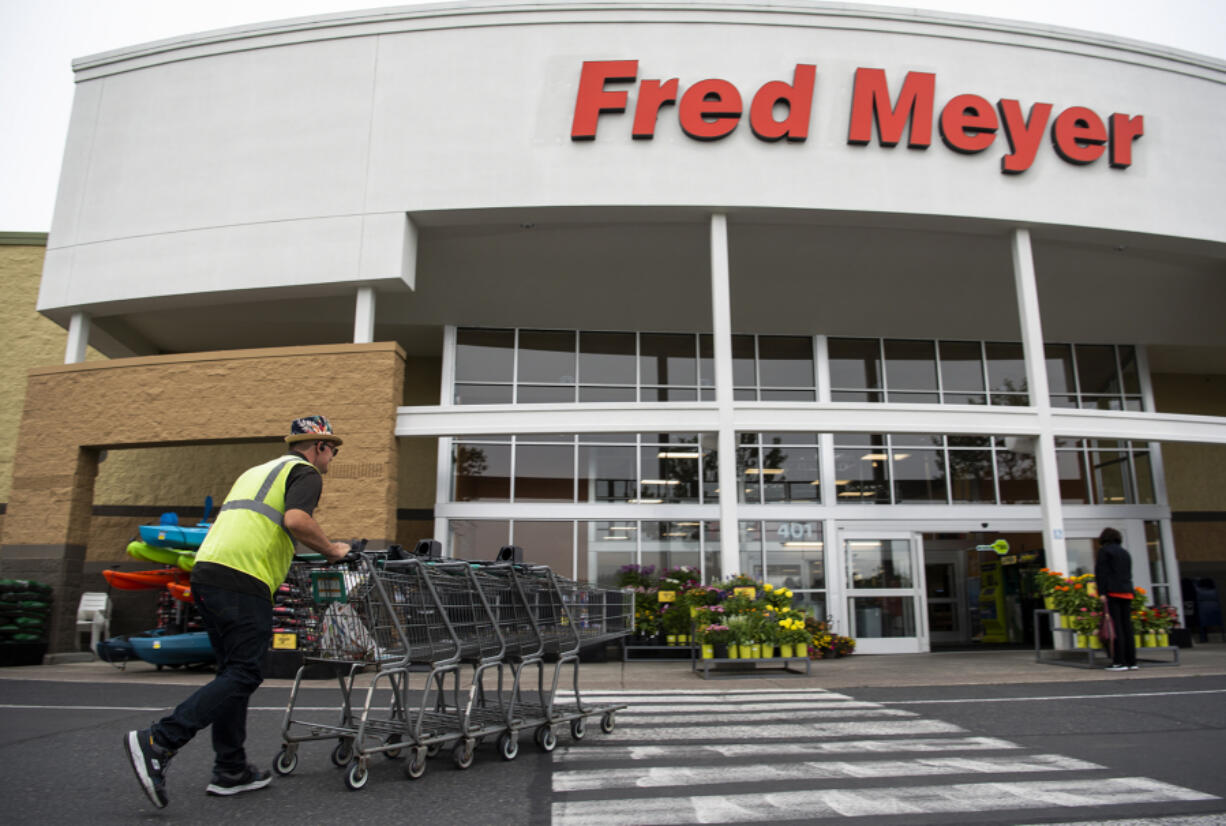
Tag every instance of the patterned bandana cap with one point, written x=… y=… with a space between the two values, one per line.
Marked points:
x=311 y=427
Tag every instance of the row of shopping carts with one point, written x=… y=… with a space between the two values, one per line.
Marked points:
x=453 y=644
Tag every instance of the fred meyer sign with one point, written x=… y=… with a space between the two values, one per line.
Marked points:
x=711 y=109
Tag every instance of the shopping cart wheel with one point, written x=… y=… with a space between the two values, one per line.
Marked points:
x=286 y=761
x=578 y=728
x=357 y=775
x=433 y=749
x=608 y=722
x=462 y=753
x=342 y=754
x=416 y=765
x=546 y=738
x=392 y=754
x=508 y=745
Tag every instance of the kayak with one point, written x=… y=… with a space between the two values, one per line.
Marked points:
x=163 y=556
x=115 y=650
x=174 y=536
x=173 y=649
x=144 y=580
x=180 y=591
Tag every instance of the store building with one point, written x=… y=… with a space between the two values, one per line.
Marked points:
x=837 y=296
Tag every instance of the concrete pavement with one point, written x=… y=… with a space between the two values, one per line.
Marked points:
x=859 y=670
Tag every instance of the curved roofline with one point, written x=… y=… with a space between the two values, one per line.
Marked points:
x=434 y=15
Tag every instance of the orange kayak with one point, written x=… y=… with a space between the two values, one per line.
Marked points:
x=181 y=592
x=144 y=580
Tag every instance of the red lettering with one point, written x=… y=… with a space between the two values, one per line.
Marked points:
x=652 y=95
x=593 y=100
x=968 y=124
x=870 y=101
x=710 y=109
x=799 y=99
x=1124 y=130
x=1078 y=135
x=1024 y=134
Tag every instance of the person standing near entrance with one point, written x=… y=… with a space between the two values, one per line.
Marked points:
x=239 y=566
x=1113 y=575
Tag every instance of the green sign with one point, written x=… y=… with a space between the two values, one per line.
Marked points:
x=1000 y=546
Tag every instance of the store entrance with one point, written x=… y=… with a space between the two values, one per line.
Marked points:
x=977 y=597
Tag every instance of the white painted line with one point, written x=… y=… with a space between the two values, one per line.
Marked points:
x=153 y=708
x=1055 y=697
x=774 y=693
x=638 y=706
x=806 y=771
x=632 y=717
x=608 y=750
x=704 y=696
x=745 y=733
x=1172 y=820
x=879 y=802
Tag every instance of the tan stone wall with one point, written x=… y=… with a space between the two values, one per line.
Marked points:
x=194 y=403
x=27 y=339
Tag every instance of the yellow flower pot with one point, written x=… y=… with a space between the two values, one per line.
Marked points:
x=1049 y=603
x=1083 y=640
x=1164 y=639
x=768 y=649
x=1151 y=639
x=1066 y=621
x=755 y=650
x=785 y=649
x=708 y=651
x=1137 y=640
x=1095 y=641
x=732 y=651
x=746 y=651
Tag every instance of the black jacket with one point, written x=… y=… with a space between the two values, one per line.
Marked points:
x=1113 y=570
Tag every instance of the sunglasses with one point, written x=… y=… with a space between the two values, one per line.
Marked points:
x=333 y=447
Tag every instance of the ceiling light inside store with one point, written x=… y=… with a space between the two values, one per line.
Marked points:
x=900 y=456
x=856 y=493
x=766 y=471
x=623 y=528
x=815 y=545
x=644 y=501
x=672 y=454
x=875 y=457
x=659 y=482
x=689 y=524
x=616 y=538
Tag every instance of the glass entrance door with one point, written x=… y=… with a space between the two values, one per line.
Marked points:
x=885 y=591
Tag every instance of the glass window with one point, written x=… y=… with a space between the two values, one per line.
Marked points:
x=789 y=474
x=669 y=475
x=668 y=394
x=604 y=547
x=607 y=358
x=477 y=538
x=1017 y=477
x=671 y=544
x=1111 y=474
x=883 y=617
x=970 y=475
x=607 y=473
x=1157 y=564
x=482 y=394
x=748 y=472
x=484 y=355
x=1145 y=477
x=706 y=360
x=752 y=561
x=785 y=361
x=855 y=363
x=1007 y=374
x=961 y=367
x=546 y=356
x=1128 y=370
x=549 y=394
x=919 y=475
x=795 y=554
x=666 y=358
x=862 y=473
x=910 y=365
x=544 y=473
x=606 y=394
x=713 y=572
x=1074 y=487
x=547 y=543
x=1096 y=369
x=744 y=373
x=879 y=563
x=1061 y=379
x=482 y=472
x=709 y=445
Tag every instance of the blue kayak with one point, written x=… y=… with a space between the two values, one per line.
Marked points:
x=173 y=536
x=173 y=649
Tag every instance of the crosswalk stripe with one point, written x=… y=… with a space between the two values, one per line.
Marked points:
x=666 y=697
x=610 y=751
x=808 y=771
x=875 y=802
x=638 y=718
x=853 y=728
x=638 y=707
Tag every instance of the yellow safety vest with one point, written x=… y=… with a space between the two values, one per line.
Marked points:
x=249 y=533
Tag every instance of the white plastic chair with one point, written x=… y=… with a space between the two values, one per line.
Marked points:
x=94 y=616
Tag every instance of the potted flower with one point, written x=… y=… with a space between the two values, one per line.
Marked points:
x=741 y=628
x=714 y=640
x=793 y=637
x=1086 y=622
x=1165 y=617
x=1046 y=581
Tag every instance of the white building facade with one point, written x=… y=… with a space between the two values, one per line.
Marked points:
x=835 y=296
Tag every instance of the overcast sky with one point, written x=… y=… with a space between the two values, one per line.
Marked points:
x=40 y=38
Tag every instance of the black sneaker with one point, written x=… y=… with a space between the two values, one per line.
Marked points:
x=247 y=780
x=149 y=761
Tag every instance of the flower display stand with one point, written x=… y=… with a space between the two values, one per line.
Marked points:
x=640 y=650
x=729 y=667
x=1066 y=652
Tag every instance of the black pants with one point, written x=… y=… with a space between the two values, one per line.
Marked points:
x=1123 y=647
x=240 y=630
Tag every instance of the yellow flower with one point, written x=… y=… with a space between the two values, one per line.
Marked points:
x=768 y=587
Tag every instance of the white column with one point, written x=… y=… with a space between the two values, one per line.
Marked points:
x=721 y=320
x=1170 y=562
x=1036 y=379
x=364 y=316
x=442 y=475
x=78 y=338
